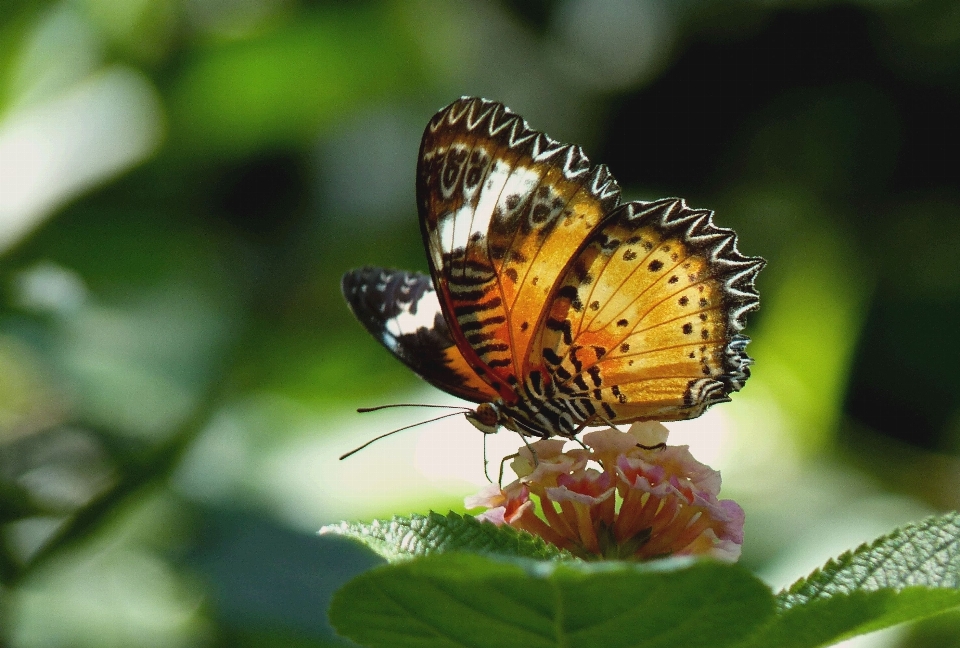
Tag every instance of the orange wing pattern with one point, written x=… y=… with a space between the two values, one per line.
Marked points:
x=555 y=303
x=646 y=321
x=502 y=210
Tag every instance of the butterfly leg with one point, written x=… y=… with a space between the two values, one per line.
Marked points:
x=533 y=453
x=502 y=462
x=580 y=428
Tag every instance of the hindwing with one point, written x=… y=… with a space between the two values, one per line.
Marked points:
x=646 y=320
x=401 y=310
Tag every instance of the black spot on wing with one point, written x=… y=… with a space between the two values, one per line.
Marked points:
x=567 y=292
x=551 y=356
x=594 y=373
x=563 y=326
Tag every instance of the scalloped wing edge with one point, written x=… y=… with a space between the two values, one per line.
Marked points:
x=737 y=273
x=498 y=122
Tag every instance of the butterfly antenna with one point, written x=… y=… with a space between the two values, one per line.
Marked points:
x=405 y=427
x=364 y=410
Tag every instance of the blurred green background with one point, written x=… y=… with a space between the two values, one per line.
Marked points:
x=182 y=183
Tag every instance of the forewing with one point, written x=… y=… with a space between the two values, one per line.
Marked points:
x=645 y=323
x=503 y=208
x=401 y=310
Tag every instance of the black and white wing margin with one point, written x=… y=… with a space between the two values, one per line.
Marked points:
x=402 y=311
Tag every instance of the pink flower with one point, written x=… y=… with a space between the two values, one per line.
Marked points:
x=503 y=506
x=543 y=460
x=648 y=500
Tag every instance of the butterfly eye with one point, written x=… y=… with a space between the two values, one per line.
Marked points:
x=485 y=418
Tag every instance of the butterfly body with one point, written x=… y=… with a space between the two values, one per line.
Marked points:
x=551 y=303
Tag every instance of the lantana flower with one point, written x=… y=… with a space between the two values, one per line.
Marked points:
x=624 y=495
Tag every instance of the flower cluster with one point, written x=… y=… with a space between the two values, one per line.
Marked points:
x=646 y=501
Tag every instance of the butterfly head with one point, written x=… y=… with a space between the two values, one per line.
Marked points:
x=485 y=418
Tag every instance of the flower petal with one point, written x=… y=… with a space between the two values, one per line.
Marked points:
x=668 y=502
x=564 y=494
x=649 y=433
x=490 y=495
x=609 y=440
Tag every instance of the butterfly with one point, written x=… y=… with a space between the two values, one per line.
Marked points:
x=551 y=303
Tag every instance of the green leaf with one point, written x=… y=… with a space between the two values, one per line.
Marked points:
x=421 y=535
x=909 y=574
x=469 y=600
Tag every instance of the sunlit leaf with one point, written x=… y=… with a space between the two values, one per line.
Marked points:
x=909 y=574
x=460 y=599
x=403 y=538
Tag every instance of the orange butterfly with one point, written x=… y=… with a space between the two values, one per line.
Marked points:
x=552 y=304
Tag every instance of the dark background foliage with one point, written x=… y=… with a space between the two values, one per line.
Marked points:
x=182 y=183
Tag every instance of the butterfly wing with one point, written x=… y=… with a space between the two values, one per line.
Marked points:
x=503 y=208
x=401 y=310
x=645 y=323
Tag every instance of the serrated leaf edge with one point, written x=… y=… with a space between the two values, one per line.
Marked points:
x=846 y=559
x=376 y=532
